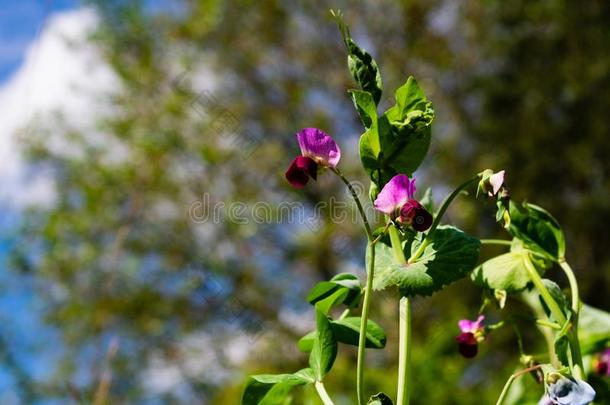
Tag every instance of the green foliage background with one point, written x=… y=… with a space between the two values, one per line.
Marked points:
x=519 y=85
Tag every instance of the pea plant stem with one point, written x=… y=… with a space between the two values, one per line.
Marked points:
x=323 y=394
x=546 y=296
x=496 y=242
x=510 y=381
x=370 y=272
x=574 y=342
x=404 y=352
x=404 y=329
x=367 y=227
x=577 y=364
x=363 y=321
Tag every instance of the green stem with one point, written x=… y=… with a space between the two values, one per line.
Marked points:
x=548 y=299
x=363 y=322
x=510 y=381
x=548 y=324
x=531 y=299
x=323 y=394
x=496 y=242
x=404 y=352
x=439 y=215
x=396 y=245
x=574 y=342
x=573 y=285
x=404 y=328
x=370 y=271
x=367 y=227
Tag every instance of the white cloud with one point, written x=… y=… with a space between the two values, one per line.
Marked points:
x=60 y=74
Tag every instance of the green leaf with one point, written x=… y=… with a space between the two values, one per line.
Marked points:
x=343 y=288
x=538 y=230
x=562 y=342
x=338 y=296
x=364 y=70
x=398 y=141
x=305 y=344
x=406 y=138
x=347 y=331
x=506 y=271
x=272 y=389
x=324 y=350
x=361 y=64
x=367 y=109
x=449 y=256
x=559 y=297
x=380 y=399
x=593 y=329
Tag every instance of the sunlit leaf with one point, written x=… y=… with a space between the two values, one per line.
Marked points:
x=449 y=256
x=272 y=389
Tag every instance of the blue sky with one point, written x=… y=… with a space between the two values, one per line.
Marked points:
x=20 y=23
x=22 y=333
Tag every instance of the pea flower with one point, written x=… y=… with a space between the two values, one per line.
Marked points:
x=473 y=332
x=567 y=390
x=396 y=200
x=491 y=183
x=317 y=149
x=601 y=363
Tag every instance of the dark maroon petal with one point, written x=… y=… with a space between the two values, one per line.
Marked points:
x=308 y=166
x=601 y=368
x=295 y=175
x=414 y=214
x=300 y=170
x=467 y=345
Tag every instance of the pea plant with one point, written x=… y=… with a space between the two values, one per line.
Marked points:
x=414 y=252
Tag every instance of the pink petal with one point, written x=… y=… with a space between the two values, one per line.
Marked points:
x=395 y=194
x=496 y=180
x=467 y=326
x=479 y=321
x=319 y=146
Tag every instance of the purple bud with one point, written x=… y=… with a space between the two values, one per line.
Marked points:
x=300 y=170
x=414 y=214
x=602 y=363
x=467 y=345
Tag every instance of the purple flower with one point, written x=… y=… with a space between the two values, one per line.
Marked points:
x=317 y=149
x=396 y=200
x=395 y=194
x=474 y=327
x=473 y=332
x=602 y=363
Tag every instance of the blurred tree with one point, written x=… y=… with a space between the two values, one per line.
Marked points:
x=210 y=93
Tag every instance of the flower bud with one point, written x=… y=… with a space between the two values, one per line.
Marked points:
x=601 y=363
x=491 y=183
